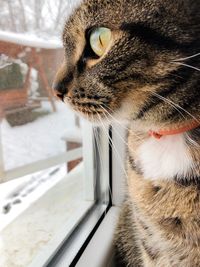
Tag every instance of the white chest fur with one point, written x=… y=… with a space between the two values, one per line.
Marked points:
x=164 y=158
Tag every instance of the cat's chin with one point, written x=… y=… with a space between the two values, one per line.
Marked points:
x=99 y=117
x=95 y=120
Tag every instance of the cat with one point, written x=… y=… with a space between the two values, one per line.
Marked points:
x=139 y=60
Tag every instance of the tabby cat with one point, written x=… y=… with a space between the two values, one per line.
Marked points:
x=139 y=60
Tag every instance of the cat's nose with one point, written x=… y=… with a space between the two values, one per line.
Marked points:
x=60 y=83
x=60 y=89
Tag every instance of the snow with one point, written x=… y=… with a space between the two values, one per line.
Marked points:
x=29 y=143
x=72 y=135
x=4 y=61
x=26 y=144
x=34 y=84
x=37 y=140
x=38 y=227
x=21 y=193
x=30 y=40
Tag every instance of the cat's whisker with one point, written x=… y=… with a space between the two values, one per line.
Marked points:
x=171 y=103
x=191 y=141
x=119 y=134
x=103 y=167
x=176 y=106
x=193 y=163
x=186 y=65
x=95 y=150
x=97 y=147
x=113 y=146
x=113 y=118
x=109 y=188
x=101 y=157
x=120 y=123
x=123 y=140
x=186 y=58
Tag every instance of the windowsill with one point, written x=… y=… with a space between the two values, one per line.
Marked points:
x=100 y=251
x=102 y=242
x=32 y=237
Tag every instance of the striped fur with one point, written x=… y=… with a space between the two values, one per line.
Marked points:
x=141 y=79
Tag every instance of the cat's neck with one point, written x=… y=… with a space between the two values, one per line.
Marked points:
x=171 y=157
x=166 y=158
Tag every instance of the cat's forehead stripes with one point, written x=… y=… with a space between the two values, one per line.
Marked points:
x=74 y=39
x=146 y=33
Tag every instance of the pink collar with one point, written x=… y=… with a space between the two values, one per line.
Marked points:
x=160 y=133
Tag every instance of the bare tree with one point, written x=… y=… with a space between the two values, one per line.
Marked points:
x=36 y=16
x=24 y=25
x=37 y=10
x=58 y=16
x=11 y=16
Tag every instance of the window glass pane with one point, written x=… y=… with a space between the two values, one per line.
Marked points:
x=48 y=168
x=30 y=134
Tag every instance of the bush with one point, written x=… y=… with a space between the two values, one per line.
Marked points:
x=11 y=77
x=24 y=117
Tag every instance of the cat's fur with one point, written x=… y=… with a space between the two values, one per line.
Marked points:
x=160 y=221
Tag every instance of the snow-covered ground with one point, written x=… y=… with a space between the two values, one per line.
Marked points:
x=36 y=233
x=18 y=195
x=36 y=140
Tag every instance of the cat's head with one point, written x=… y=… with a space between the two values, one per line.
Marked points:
x=125 y=58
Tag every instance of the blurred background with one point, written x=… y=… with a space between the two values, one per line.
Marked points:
x=47 y=181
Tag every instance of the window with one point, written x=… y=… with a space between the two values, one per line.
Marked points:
x=54 y=167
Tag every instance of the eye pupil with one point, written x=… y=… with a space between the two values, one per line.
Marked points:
x=100 y=39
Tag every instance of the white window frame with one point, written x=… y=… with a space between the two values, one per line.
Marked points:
x=101 y=236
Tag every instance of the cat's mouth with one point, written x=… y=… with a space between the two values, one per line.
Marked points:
x=92 y=109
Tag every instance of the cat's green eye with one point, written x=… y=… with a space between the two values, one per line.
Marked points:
x=99 y=40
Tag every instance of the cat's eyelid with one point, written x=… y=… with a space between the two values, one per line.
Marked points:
x=90 y=29
x=88 y=32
